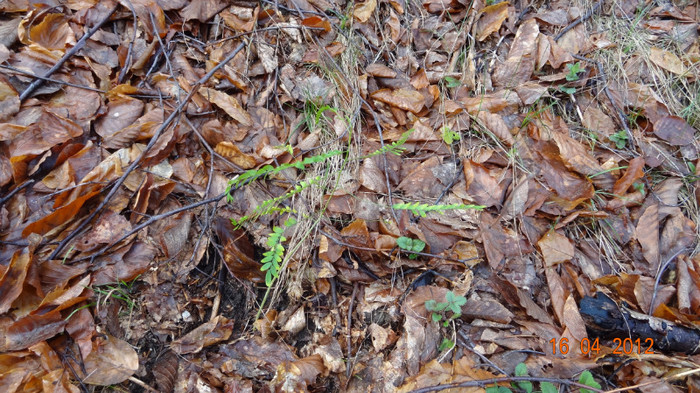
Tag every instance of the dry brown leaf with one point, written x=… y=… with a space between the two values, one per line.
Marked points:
x=409 y=100
x=12 y=279
x=9 y=99
x=674 y=130
x=122 y=112
x=556 y=248
x=59 y=216
x=233 y=153
x=229 y=104
x=494 y=123
x=53 y=32
x=31 y=330
x=112 y=362
x=296 y=376
x=667 y=60
x=364 y=11
x=216 y=330
x=202 y=10
x=520 y=63
x=315 y=21
x=482 y=186
x=596 y=120
x=491 y=19
x=380 y=70
x=647 y=233
x=372 y=177
x=634 y=172
x=573 y=320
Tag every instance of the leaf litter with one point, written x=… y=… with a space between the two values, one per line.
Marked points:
x=557 y=143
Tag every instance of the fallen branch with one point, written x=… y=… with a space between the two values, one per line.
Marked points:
x=579 y=20
x=72 y=51
x=151 y=143
x=483 y=382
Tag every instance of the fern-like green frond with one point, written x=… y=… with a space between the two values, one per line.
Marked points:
x=267 y=170
x=394 y=148
x=420 y=209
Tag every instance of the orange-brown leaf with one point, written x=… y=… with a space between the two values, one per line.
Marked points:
x=406 y=99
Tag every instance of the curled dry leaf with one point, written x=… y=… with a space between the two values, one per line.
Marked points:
x=217 y=330
x=233 y=153
x=229 y=104
x=364 y=11
x=491 y=19
x=406 y=99
x=112 y=362
x=296 y=376
x=634 y=172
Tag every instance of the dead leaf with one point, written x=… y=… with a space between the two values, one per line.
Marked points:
x=647 y=233
x=216 y=330
x=12 y=279
x=634 y=172
x=555 y=248
x=228 y=103
x=494 y=123
x=491 y=19
x=296 y=376
x=364 y=11
x=9 y=99
x=202 y=10
x=112 y=362
x=482 y=185
x=231 y=151
x=674 y=130
x=409 y=100
x=53 y=32
x=520 y=62
x=667 y=60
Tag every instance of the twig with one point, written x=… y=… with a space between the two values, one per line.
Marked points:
x=334 y=297
x=348 y=335
x=618 y=111
x=142 y=384
x=72 y=51
x=129 y=51
x=470 y=346
x=155 y=218
x=658 y=278
x=16 y=190
x=579 y=20
x=148 y=147
x=33 y=75
x=483 y=382
x=676 y=376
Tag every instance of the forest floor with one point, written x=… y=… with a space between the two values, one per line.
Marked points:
x=378 y=196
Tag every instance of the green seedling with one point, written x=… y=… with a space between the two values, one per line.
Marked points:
x=567 y=90
x=413 y=245
x=452 y=82
x=620 y=139
x=449 y=136
x=446 y=344
x=574 y=70
x=448 y=310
